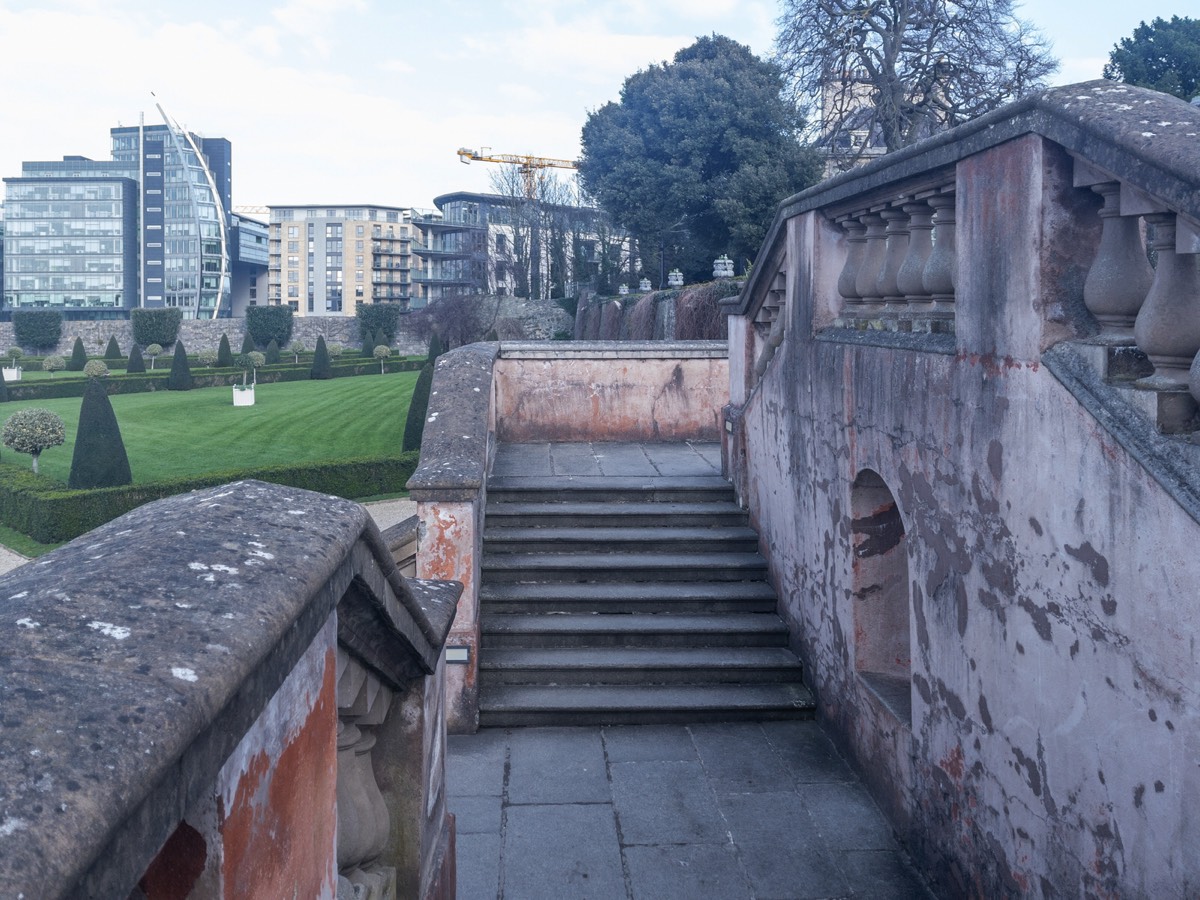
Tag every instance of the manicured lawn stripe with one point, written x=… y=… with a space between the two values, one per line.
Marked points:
x=169 y=434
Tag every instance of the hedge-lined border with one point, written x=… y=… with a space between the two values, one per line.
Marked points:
x=58 y=388
x=49 y=512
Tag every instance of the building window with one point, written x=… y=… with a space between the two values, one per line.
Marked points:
x=293 y=246
x=359 y=230
x=293 y=231
x=358 y=276
x=293 y=290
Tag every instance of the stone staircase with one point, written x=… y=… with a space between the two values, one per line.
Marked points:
x=628 y=600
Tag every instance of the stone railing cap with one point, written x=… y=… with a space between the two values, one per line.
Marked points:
x=1144 y=138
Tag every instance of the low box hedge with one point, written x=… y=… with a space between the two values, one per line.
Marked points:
x=68 y=386
x=49 y=512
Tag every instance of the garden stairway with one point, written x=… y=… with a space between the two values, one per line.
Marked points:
x=621 y=584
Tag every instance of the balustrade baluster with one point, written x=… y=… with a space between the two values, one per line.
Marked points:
x=940 y=269
x=910 y=278
x=856 y=239
x=1120 y=276
x=896 y=251
x=866 y=282
x=1167 y=328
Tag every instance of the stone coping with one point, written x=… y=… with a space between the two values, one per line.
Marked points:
x=1145 y=139
x=136 y=657
x=614 y=350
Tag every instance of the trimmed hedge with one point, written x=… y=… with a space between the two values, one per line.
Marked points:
x=155 y=326
x=157 y=381
x=37 y=328
x=78 y=358
x=224 y=354
x=49 y=512
x=269 y=323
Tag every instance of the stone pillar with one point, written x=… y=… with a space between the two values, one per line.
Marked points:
x=1120 y=277
x=1167 y=328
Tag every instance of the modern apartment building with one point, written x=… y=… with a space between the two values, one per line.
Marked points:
x=496 y=244
x=325 y=260
x=151 y=227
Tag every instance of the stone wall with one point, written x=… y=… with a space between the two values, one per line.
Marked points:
x=986 y=555
x=206 y=334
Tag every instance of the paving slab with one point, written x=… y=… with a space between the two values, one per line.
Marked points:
x=562 y=851
x=655 y=812
x=665 y=802
x=557 y=765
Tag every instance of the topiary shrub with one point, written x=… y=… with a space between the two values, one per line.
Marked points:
x=249 y=363
x=32 y=431
x=375 y=317
x=99 y=459
x=3 y=389
x=435 y=347
x=336 y=351
x=40 y=329
x=418 y=407
x=224 y=354
x=113 y=351
x=136 y=365
x=95 y=368
x=272 y=354
x=248 y=345
x=180 y=378
x=382 y=352
x=296 y=349
x=206 y=358
x=154 y=351
x=320 y=367
x=78 y=357
x=53 y=364
x=269 y=323
x=155 y=326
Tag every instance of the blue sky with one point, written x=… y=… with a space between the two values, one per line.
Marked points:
x=365 y=101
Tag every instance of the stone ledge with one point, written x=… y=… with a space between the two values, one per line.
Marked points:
x=920 y=342
x=614 y=350
x=135 y=658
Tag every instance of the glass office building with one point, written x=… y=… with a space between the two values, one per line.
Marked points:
x=151 y=228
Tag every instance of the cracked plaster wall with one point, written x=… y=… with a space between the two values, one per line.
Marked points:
x=1054 y=741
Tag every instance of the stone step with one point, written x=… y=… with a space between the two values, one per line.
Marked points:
x=638 y=597
x=625 y=665
x=515 y=705
x=584 y=513
x=632 y=630
x=594 y=489
x=724 y=538
x=621 y=566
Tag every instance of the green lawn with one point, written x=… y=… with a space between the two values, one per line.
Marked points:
x=175 y=433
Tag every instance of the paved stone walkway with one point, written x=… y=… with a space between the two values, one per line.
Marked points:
x=695 y=812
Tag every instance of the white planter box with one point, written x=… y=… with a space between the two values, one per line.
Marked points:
x=243 y=396
x=11 y=374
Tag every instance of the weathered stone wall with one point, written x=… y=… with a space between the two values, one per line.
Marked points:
x=205 y=334
x=1045 y=742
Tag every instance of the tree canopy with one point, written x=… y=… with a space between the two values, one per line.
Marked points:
x=887 y=73
x=1163 y=56
x=695 y=156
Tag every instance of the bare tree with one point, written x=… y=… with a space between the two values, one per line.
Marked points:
x=877 y=75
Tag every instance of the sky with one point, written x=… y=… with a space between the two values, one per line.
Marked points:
x=366 y=101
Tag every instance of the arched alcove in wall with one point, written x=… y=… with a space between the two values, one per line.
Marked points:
x=882 y=651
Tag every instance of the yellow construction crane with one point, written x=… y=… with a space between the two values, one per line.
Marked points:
x=531 y=167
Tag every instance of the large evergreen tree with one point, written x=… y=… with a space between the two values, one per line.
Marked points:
x=1163 y=56
x=99 y=459
x=696 y=155
x=224 y=353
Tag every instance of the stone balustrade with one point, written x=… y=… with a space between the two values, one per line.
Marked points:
x=964 y=429
x=231 y=693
